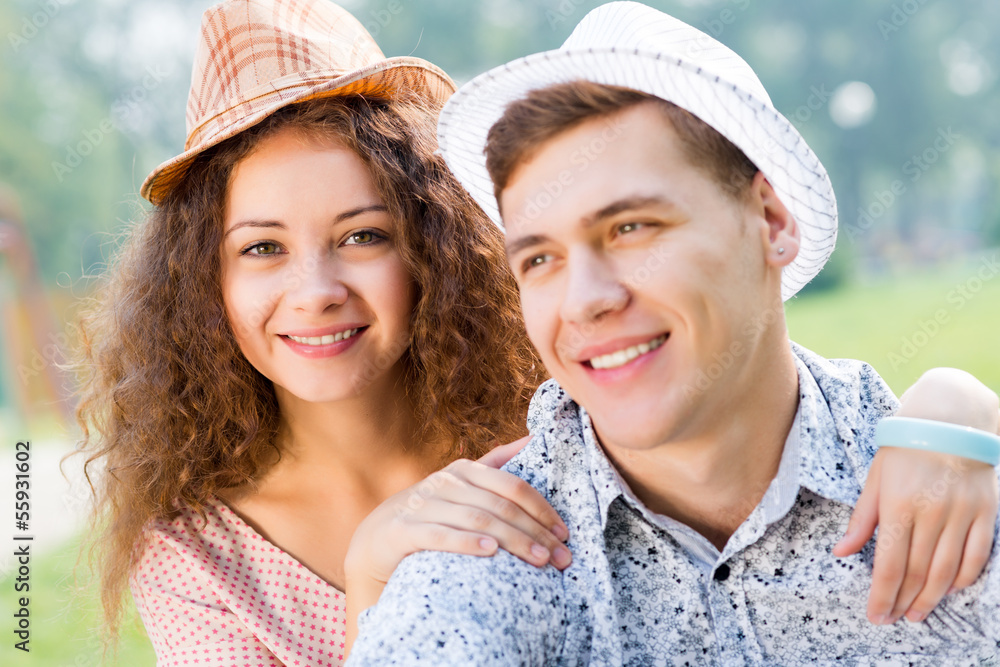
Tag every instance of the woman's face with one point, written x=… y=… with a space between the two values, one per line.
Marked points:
x=314 y=288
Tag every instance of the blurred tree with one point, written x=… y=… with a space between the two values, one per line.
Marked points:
x=31 y=341
x=109 y=78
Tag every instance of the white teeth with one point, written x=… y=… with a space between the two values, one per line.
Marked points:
x=622 y=357
x=324 y=340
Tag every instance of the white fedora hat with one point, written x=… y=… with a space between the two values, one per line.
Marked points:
x=631 y=45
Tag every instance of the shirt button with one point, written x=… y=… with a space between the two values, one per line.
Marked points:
x=721 y=573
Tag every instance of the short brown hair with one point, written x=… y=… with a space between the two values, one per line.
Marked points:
x=537 y=118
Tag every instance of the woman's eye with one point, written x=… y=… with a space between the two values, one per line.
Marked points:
x=364 y=237
x=262 y=248
x=629 y=227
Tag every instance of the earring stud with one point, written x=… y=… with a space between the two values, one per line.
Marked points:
x=781 y=251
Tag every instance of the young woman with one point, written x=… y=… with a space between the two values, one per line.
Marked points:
x=313 y=322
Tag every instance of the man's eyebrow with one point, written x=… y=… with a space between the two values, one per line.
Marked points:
x=517 y=245
x=265 y=224
x=625 y=204
x=611 y=210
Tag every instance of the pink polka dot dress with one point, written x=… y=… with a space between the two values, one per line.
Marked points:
x=225 y=596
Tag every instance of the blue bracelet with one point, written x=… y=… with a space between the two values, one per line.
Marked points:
x=934 y=436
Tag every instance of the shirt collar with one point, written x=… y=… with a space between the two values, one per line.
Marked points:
x=609 y=486
x=836 y=430
x=820 y=453
x=608 y=483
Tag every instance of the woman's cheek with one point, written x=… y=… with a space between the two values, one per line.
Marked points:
x=248 y=300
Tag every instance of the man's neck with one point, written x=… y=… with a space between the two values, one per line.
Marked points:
x=712 y=480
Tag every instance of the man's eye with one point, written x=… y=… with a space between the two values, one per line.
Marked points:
x=532 y=262
x=262 y=248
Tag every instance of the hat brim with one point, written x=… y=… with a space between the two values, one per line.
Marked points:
x=392 y=78
x=767 y=138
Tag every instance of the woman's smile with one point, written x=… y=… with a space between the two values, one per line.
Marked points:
x=326 y=345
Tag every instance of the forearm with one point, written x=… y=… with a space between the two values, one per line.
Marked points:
x=954 y=396
x=362 y=593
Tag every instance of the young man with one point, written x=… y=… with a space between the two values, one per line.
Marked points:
x=658 y=211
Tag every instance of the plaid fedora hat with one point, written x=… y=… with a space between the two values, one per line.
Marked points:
x=631 y=45
x=256 y=56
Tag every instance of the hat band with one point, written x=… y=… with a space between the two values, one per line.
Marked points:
x=295 y=82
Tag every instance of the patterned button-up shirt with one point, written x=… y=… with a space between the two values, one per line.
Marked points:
x=644 y=589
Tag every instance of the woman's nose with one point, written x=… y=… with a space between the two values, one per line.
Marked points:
x=316 y=283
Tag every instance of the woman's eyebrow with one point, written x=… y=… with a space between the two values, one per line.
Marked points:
x=254 y=223
x=358 y=211
x=346 y=215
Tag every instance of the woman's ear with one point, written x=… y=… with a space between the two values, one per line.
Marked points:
x=779 y=233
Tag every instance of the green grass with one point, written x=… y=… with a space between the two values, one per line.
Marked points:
x=891 y=324
x=65 y=622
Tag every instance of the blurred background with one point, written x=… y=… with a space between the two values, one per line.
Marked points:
x=898 y=99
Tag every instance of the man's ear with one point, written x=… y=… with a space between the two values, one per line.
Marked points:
x=779 y=232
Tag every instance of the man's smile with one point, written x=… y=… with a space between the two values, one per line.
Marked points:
x=624 y=355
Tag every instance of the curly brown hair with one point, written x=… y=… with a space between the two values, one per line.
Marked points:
x=174 y=410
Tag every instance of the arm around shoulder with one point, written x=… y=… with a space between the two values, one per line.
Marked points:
x=955 y=396
x=449 y=609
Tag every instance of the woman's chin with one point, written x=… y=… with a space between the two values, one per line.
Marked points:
x=328 y=393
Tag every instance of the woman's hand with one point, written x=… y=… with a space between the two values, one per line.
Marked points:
x=469 y=507
x=936 y=512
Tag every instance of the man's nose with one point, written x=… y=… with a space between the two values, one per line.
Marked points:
x=593 y=288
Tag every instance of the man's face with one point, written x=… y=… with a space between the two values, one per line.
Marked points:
x=646 y=289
